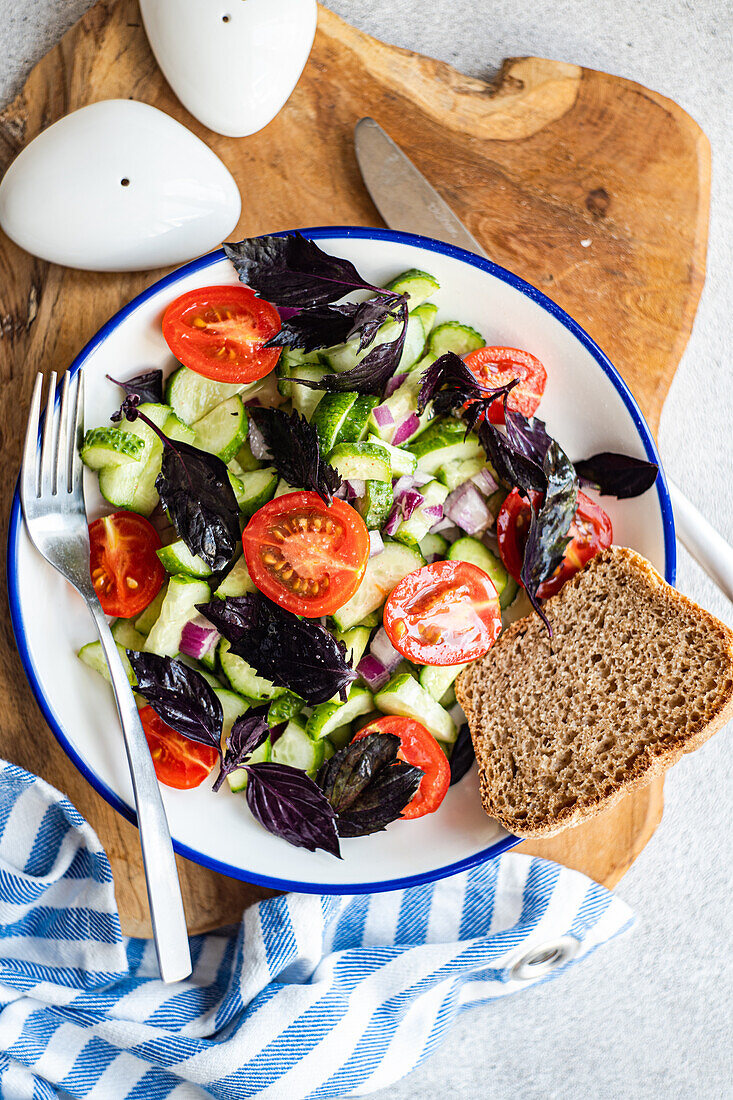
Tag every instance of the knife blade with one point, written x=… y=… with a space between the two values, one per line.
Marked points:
x=401 y=193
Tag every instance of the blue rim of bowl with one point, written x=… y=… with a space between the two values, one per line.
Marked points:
x=317 y=233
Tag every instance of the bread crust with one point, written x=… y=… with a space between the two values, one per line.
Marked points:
x=656 y=756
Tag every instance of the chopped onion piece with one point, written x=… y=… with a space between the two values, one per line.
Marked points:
x=384 y=651
x=406 y=429
x=376 y=544
x=394 y=519
x=467 y=509
x=257 y=442
x=356 y=487
x=394 y=384
x=198 y=637
x=484 y=482
x=373 y=672
x=383 y=416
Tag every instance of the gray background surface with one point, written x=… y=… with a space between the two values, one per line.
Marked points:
x=649 y=1015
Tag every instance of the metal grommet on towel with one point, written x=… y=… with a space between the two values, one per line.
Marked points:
x=543 y=958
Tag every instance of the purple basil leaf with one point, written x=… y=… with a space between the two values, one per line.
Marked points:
x=617 y=475
x=247 y=734
x=375 y=369
x=512 y=466
x=293 y=444
x=146 y=387
x=289 y=804
x=350 y=770
x=293 y=271
x=550 y=522
x=298 y=654
x=371 y=315
x=527 y=437
x=365 y=784
x=449 y=384
x=382 y=801
x=463 y=755
x=318 y=327
x=180 y=696
x=195 y=490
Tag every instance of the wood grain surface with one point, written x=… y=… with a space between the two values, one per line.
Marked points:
x=591 y=187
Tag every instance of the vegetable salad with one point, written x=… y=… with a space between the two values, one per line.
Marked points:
x=320 y=516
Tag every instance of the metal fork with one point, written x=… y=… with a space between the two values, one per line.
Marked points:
x=52 y=496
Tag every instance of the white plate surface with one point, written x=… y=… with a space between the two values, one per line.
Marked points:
x=587 y=408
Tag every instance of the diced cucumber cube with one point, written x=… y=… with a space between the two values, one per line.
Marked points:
x=455 y=337
x=418 y=285
x=376 y=504
x=437 y=679
x=92 y=655
x=295 y=748
x=361 y=461
x=237 y=581
x=126 y=635
x=110 y=447
x=382 y=573
x=455 y=473
x=356 y=640
x=327 y=717
x=474 y=551
x=179 y=606
x=223 y=430
x=258 y=487
x=404 y=696
x=177 y=558
x=243 y=677
x=442 y=442
x=144 y=621
x=401 y=461
x=330 y=416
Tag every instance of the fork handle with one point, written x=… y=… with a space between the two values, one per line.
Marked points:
x=706 y=545
x=161 y=875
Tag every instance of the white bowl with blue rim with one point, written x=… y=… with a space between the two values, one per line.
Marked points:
x=587 y=407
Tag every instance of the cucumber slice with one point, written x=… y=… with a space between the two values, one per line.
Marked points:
x=433 y=546
x=223 y=430
x=327 y=717
x=132 y=487
x=356 y=640
x=376 y=504
x=438 y=679
x=382 y=573
x=175 y=429
x=237 y=779
x=258 y=486
x=295 y=747
x=401 y=461
x=244 y=461
x=286 y=706
x=340 y=736
x=144 y=622
x=418 y=285
x=304 y=399
x=470 y=549
x=455 y=473
x=177 y=558
x=455 y=337
x=404 y=696
x=232 y=704
x=347 y=355
x=191 y=396
x=442 y=442
x=418 y=525
x=243 y=677
x=283 y=488
x=110 y=447
x=237 y=581
x=355 y=426
x=362 y=461
x=92 y=655
x=427 y=313
x=125 y=634
x=179 y=605
x=330 y=416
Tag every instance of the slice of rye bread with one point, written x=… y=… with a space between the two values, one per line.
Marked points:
x=635 y=675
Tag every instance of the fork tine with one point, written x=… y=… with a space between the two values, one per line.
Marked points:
x=76 y=471
x=29 y=480
x=62 y=462
x=49 y=447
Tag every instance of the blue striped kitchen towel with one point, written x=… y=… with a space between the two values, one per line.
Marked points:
x=308 y=997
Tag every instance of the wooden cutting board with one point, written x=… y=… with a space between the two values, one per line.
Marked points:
x=593 y=188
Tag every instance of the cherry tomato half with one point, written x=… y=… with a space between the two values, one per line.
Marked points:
x=219 y=331
x=307 y=556
x=591 y=531
x=421 y=749
x=443 y=614
x=179 y=762
x=126 y=572
x=497 y=366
